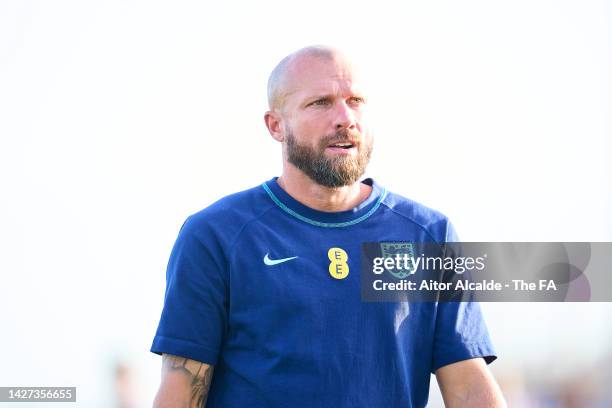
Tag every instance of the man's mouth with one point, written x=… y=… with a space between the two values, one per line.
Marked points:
x=342 y=145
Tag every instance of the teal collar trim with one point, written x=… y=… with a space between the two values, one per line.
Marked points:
x=300 y=217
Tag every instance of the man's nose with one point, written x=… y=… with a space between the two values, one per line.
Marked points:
x=345 y=117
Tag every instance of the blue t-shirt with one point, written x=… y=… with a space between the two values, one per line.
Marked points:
x=250 y=290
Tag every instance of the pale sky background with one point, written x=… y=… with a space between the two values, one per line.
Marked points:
x=120 y=118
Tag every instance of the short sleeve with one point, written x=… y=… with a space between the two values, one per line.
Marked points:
x=194 y=316
x=460 y=329
x=451 y=233
x=460 y=334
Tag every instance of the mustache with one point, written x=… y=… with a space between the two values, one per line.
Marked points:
x=342 y=136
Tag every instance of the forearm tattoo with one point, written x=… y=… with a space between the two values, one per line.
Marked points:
x=200 y=375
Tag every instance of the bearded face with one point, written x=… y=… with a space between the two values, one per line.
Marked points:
x=330 y=170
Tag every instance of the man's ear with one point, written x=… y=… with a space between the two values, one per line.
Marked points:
x=274 y=125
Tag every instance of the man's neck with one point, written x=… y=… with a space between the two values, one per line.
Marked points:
x=299 y=186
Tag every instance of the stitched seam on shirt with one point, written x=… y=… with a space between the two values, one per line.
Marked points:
x=209 y=251
x=235 y=242
x=321 y=224
x=232 y=245
x=413 y=221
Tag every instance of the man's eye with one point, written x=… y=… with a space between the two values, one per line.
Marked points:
x=320 y=102
x=357 y=100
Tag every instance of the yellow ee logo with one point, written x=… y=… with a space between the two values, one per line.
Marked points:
x=338 y=268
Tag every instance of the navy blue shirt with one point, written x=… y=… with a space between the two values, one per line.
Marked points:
x=250 y=290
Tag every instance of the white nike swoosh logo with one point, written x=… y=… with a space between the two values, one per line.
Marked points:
x=270 y=262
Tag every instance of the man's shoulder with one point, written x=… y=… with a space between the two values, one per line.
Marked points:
x=231 y=212
x=434 y=222
x=412 y=209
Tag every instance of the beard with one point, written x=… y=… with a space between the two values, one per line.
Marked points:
x=332 y=172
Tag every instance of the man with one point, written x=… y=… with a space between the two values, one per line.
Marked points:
x=263 y=306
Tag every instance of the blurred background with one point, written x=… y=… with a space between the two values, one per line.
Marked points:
x=120 y=118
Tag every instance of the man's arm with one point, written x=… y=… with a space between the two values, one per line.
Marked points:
x=469 y=383
x=184 y=383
